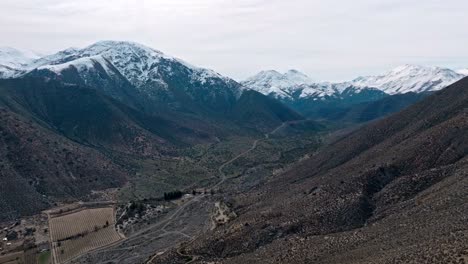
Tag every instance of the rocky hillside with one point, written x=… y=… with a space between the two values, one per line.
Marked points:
x=91 y=118
x=393 y=191
x=39 y=167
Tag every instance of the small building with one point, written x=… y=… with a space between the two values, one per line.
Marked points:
x=5 y=239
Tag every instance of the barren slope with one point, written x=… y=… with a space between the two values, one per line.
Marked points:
x=392 y=192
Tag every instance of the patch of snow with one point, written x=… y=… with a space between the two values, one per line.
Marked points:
x=81 y=64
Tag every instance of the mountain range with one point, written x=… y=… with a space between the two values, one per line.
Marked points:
x=400 y=80
x=150 y=80
x=324 y=99
x=73 y=120
x=277 y=169
x=117 y=99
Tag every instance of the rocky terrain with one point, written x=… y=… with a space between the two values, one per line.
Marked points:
x=393 y=191
x=39 y=167
x=203 y=169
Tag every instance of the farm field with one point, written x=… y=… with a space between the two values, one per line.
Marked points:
x=81 y=222
x=14 y=258
x=70 y=248
x=79 y=232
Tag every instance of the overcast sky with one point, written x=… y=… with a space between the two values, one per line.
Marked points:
x=326 y=39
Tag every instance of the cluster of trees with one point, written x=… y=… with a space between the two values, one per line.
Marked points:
x=172 y=195
x=135 y=208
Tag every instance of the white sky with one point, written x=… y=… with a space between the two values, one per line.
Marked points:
x=326 y=39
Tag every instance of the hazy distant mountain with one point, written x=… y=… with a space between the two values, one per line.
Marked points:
x=325 y=99
x=315 y=100
x=12 y=61
x=410 y=78
x=294 y=85
x=277 y=84
x=463 y=72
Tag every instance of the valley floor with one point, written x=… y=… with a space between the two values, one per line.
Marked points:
x=212 y=172
x=194 y=213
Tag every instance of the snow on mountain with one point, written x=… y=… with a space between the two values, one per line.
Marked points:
x=407 y=78
x=136 y=62
x=281 y=85
x=144 y=66
x=463 y=71
x=81 y=64
x=410 y=78
x=139 y=64
x=13 y=60
x=296 y=85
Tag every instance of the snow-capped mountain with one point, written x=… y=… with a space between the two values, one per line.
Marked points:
x=312 y=99
x=410 y=78
x=403 y=79
x=463 y=72
x=136 y=62
x=13 y=60
x=127 y=70
x=277 y=84
x=16 y=58
x=294 y=85
x=154 y=83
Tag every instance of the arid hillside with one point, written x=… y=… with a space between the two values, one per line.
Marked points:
x=394 y=191
x=39 y=166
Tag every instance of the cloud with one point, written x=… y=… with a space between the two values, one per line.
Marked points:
x=333 y=39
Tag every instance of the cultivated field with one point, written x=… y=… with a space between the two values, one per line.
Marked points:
x=14 y=258
x=76 y=233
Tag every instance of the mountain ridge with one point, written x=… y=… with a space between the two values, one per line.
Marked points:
x=402 y=79
x=410 y=78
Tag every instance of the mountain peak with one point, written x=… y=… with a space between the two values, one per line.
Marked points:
x=274 y=82
x=410 y=78
x=267 y=72
x=139 y=64
x=116 y=45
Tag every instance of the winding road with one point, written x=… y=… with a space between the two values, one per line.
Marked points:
x=224 y=178
x=148 y=234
